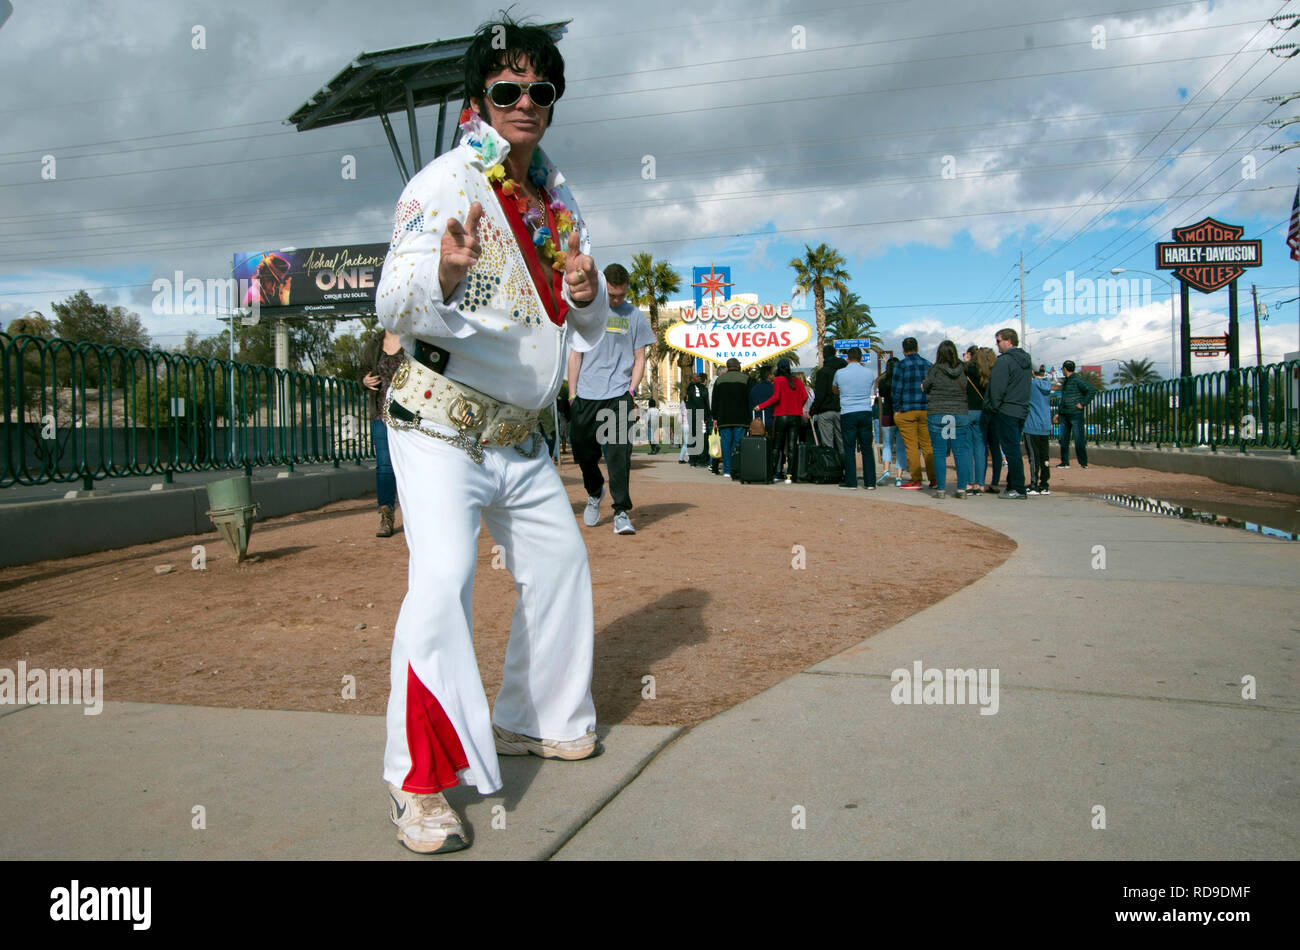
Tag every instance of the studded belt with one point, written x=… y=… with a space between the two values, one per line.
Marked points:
x=420 y=393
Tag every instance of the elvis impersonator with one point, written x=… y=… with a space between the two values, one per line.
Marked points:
x=488 y=282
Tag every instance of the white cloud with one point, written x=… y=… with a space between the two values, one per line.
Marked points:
x=737 y=144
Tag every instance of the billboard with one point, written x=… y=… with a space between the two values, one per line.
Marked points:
x=314 y=279
x=746 y=330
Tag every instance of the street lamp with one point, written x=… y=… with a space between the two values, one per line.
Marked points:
x=1173 y=321
x=1030 y=334
x=1173 y=332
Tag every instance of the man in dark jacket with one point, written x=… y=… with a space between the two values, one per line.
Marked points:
x=826 y=404
x=731 y=409
x=697 y=410
x=1008 y=396
x=1075 y=394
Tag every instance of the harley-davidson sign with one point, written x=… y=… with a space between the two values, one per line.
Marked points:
x=1208 y=255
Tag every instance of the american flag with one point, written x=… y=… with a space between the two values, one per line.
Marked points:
x=1293 y=235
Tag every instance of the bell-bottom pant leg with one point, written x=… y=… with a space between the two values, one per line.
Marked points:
x=546 y=683
x=438 y=718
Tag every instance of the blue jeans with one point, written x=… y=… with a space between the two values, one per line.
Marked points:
x=992 y=445
x=1073 y=420
x=855 y=431
x=958 y=423
x=979 y=459
x=385 y=480
x=731 y=436
x=1009 y=432
x=900 y=449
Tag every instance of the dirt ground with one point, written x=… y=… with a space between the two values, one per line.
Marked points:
x=709 y=598
x=706 y=597
x=1098 y=479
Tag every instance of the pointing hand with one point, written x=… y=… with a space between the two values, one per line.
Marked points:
x=459 y=251
x=580 y=272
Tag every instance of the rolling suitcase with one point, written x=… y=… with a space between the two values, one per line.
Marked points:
x=751 y=462
x=824 y=463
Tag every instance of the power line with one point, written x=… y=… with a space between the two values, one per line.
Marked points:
x=244 y=197
x=1169 y=214
x=896 y=39
x=876 y=92
x=886 y=63
x=730 y=22
x=142 y=138
x=658 y=201
x=1098 y=216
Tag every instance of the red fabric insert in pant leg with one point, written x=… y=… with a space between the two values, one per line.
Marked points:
x=436 y=752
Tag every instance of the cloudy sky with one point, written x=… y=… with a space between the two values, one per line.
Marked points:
x=930 y=143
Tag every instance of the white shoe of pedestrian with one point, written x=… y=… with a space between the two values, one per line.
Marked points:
x=514 y=743
x=623 y=524
x=591 y=517
x=426 y=824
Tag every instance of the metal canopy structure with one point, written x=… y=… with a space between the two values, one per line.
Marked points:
x=408 y=78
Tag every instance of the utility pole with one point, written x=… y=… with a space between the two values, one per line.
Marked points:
x=1254 y=298
x=1022 y=299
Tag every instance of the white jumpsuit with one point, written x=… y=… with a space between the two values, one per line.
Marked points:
x=502 y=343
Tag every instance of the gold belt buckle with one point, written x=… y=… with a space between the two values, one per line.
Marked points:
x=512 y=433
x=466 y=413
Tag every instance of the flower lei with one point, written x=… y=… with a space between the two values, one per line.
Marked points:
x=549 y=249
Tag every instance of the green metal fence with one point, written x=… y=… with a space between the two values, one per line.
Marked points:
x=83 y=412
x=1250 y=408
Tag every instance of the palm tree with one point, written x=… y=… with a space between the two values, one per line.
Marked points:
x=1134 y=373
x=1093 y=379
x=820 y=270
x=848 y=318
x=651 y=284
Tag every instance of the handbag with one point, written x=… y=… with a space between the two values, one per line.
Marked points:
x=756 y=426
x=715 y=443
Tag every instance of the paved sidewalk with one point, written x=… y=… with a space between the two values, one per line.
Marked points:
x=123 y=785
x=1118 y=687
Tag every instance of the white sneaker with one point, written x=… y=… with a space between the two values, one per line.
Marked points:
x=591 y=517
x=623 y=524
x=514 y=743
x=425 y=823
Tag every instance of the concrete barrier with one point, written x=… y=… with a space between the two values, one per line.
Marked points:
x=41 y=530
x=1271 y=472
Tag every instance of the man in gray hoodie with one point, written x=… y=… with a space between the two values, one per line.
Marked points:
x=1008 y=396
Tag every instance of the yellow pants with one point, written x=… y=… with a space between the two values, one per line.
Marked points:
x=915 y=432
